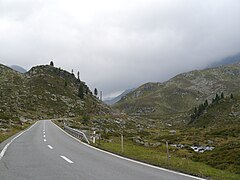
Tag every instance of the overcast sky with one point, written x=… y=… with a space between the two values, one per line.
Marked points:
x=119 y=44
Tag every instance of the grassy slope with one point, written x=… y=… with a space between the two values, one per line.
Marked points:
x=45 y=92
x=158 y=157
x=218 y=127
x=223 y=128
x=182 y=92
x=12 y=129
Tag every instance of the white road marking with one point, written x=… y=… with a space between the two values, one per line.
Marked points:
x=44 y=136
x=44 y=140
x=50 y=147
x=43 y=132
x=8 y=144
x=66 y=159
x=127 y=159
x=43 y=125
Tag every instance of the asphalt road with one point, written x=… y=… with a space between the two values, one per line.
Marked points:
x=44 y=152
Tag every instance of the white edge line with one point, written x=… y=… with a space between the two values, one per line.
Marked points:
x=66 y=159
x=131 y=160
x=8 y=144
x=50 y=147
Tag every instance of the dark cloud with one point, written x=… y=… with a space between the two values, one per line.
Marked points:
x=118 y=45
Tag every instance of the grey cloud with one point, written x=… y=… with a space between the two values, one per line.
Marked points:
x=118 y=45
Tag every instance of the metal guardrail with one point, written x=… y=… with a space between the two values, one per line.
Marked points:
x=77 y=133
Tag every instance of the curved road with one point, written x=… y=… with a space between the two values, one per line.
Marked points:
x=45 y=152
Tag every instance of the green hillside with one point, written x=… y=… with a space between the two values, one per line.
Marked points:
x=41 y=93
x=181 y=93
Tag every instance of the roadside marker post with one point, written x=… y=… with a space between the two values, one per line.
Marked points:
x=122 y=143
x=168 y=156
x=94 y=137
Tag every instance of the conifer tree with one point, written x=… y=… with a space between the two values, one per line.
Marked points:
x=200 y=109
x=222 y=95
x=206 y=103
x=195 y=111
x=78 y=75
x=95 y=92
x=52 y=64
x=81 y=91
x=217 y=98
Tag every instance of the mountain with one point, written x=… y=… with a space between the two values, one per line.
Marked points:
x=45 y=92
x=181 y=93
x=118 y=98
x=227 y=61
x=18 y=68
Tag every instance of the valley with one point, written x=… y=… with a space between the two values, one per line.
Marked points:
x=153 y=119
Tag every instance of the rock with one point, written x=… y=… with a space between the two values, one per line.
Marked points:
x=156 y=144
x=146 y=144
x=172 y=131
x=210 y=142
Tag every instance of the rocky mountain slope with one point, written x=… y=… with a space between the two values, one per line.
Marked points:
x=181 y=93
x=44 y=92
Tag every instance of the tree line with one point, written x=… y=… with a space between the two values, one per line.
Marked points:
x=82 y=90
x=198 y=111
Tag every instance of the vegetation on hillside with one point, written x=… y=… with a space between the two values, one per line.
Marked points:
x=181 y=93
x=44 y=92
x=160 y=113
x=144 y=139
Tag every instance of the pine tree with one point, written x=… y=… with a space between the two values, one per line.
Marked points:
x=200 y=109
x=51 y=64
x=206 y=104
x=195 y=111
x=231 y=96
x=222 y=95
x=78 y=75
x=95 y=92
x=217 y=98
x=81 y=91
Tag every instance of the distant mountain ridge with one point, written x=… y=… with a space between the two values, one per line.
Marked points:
x=18 y=68
x=181 y=93
x=226 y=61
x=119 y=97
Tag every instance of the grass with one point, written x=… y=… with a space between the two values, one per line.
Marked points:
x=12 y=131
x=158 y=157
x=211 y=165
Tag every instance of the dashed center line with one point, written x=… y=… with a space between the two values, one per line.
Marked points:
x=66 y=159
x=50 y=147
x=43 y=125
x=44 y=136
x=43 y=132
x=44 y=140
